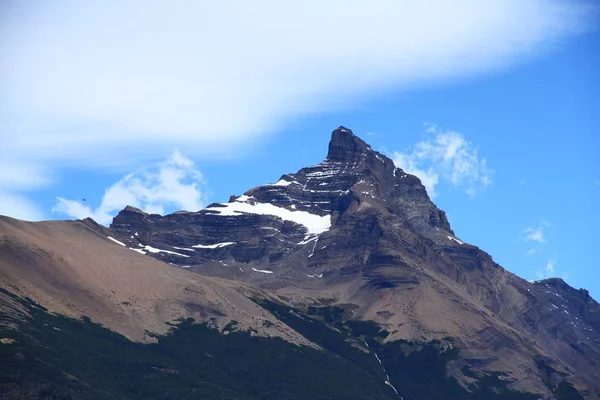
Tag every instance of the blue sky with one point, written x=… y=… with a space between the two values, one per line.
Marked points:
x=130 y=115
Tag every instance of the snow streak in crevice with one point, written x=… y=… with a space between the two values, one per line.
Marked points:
x=387 y=377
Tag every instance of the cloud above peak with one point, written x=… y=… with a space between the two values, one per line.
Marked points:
x=548 y=271
x=169 y=186
x=537 y=233
x=93 y=83
x=204 y=73
x=445 y=155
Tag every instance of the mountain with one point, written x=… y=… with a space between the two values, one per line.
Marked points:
x=71 y=268
x=344 y=266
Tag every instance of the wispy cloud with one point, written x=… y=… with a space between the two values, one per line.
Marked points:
x=96 y=82
x=536 y=240
x=172 y=185
x=16 y=179
x=445 y=155
x=548 y=271
x=537 y=233
x=18 y=206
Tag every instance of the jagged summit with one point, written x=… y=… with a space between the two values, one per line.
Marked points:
x=558 y=285
x=347 y=149
x=134 y=210
x=345 y=146
x=280 y=223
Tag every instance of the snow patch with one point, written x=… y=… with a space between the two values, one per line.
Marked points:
x=183 y=248
x=315 y=224
x=154 y=250
x=264 y=271
x=312 y=253
x=306 y=241
x=243 y=198
x=282 y=182
x=138 y=250
x=392 y=386
x=213 y=246
x=456 y=240
x=378 y=359
x=116 y=241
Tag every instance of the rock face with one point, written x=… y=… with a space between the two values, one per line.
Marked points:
x=356 y=230
x=269 y=224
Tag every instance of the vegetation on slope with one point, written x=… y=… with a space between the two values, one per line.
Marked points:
x=55 y=357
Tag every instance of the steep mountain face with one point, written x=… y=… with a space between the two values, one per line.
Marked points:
x=351 y=194
x=356 y=230
x=348 y=261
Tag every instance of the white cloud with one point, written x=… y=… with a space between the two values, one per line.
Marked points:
x=19 y=175
x=550 y=267
x=20 y=207
x=445 y=155
x=172 y=185
x=16 y=178
x=537 y=234
x=81 y=77
x=548 y=271
x=96 y=83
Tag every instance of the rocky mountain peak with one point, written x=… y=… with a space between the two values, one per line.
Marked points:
x=133 y=210
x=353 y=194
x=345 y=146
x=349 y=154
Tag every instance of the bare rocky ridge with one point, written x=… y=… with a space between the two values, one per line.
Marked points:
x=352 y=230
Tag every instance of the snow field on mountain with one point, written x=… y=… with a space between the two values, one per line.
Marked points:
x=315 y=224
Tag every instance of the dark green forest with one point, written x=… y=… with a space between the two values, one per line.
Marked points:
x=54 y=357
